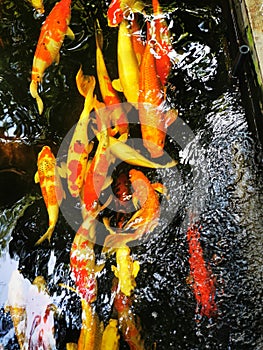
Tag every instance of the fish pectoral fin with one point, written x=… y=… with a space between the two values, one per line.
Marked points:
x=84 y=82
x=62 y=170
x=107 y=183
x=115 y=271
x=171 y=116
x=160 y=188
x=46 y=235
x=36 y=177
x=116 y=84
x=70 y=33
x=57 y=58
x=136 y=268
x=135 y=202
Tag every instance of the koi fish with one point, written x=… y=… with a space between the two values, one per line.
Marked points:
x=129 y=155
x=146 y=218
x=82 y=260
x=163 y=48
x=38 y=5
x=138 y=43
x=121 y=9
x=110 y=337
x=128 y=81
x=122 y=198
x=202 y=280
x=51 y=188
x=50 y=41
x=91 y=329
x=80 y=147
x=154 y=121
x=109 y=95
x=126 y=270
x=129 y=325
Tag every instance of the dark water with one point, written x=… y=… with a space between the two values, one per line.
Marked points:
x=219 y=179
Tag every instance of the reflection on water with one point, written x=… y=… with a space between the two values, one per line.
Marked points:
x=219 y=184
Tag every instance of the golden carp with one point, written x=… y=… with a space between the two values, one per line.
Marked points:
x=53 y=31
x=111 y=337
x=128 y=69
x=51 y=188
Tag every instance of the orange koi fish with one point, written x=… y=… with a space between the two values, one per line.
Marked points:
x=50 y=40
x=51 y=188
x=146 y=218
x=137 y=40
x=162 y=47
x=128 y=81
x=109 y=95
x=154 y=121
x=202 y=280
x=129 y=324
x=80 y=147
x=121 y=9
x=111 y=337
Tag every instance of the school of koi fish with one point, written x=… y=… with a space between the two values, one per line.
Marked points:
x=144 y=63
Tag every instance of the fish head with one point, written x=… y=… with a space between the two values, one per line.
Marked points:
x=115 y=13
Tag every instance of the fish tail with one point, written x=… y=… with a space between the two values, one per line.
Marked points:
x=46 y=235
x=34 y=94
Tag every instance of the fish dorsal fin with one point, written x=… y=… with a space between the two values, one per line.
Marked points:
x=70 y=33
x=36 y=178
x=116 y=84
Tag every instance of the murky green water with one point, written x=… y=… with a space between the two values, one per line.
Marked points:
x=219 y=174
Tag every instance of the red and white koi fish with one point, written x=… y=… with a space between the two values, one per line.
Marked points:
x=121 y=9
x=154 y=121
x=128 y=81
x=146 y=218
x=109 y=95
x=80 y=147
x=129 y=324
x=51 y=188
x=53 y=31
x=200 y=275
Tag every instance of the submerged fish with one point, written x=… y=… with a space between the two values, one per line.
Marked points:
x=53 y=31
x=146 y=218
x=121 y=9
x=201 y=277
x=51 y=188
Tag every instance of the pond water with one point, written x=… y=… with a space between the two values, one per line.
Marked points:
x=218 y=181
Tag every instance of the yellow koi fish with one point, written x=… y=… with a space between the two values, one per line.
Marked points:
x=38 y=5
x=126 y=270
x=51 y=188
x=91 y=329
x=50 y=40
x=128 y=69
x=80 y=147
x=110 y=337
